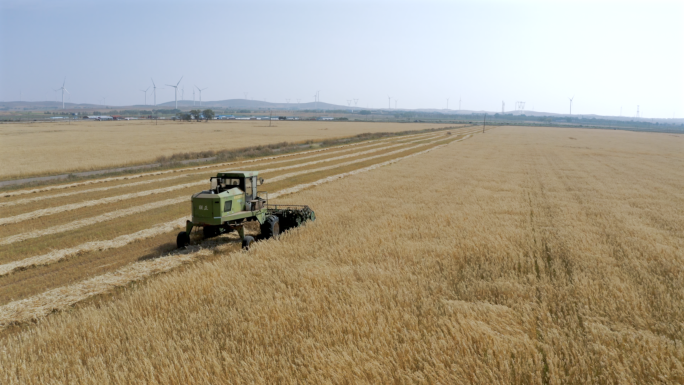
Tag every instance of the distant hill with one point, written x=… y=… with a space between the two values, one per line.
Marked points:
x=30 y=106
x=256 y=104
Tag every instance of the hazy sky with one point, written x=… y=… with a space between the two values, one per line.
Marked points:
x=608 y=54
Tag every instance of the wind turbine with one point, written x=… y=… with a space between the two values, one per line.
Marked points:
x=447 y=103
x=175 y=91
x=154 y=86
x=63 y=89
x=145 y=91
x=183 y=93
x=200 y=91
x=389 y=102
x=571 y=104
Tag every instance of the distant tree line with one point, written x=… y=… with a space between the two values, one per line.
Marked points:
x=196 y=114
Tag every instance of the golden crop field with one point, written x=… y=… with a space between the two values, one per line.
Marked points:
x=522 y=255
x=42 y=148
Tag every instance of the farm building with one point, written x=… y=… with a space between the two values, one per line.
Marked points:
x=98 y=117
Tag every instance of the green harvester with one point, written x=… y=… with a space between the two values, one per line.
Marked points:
x=232 y=201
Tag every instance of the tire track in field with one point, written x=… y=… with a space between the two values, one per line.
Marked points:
x=155 y=173
x=58 y=255
x=40 y=305
x=118 y=198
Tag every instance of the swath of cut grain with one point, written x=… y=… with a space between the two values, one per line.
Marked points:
x=40 y=305
x=120 y=241
x=91 y=221
x=296 y=173
x=125 y=185
x=102 y=201
x=93 y=190
x=331 y=178
x=133 y=184
x=118 y=198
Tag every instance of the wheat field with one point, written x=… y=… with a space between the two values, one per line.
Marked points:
x=30 y=149
x=523 y=255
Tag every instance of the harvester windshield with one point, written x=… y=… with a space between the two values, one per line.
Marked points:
x=223 y=184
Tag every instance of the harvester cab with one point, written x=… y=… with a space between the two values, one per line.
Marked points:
x=233 y=200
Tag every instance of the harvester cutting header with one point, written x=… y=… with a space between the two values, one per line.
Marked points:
x=232 y=201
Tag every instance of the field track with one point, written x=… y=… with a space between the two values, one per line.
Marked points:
x=36 y=240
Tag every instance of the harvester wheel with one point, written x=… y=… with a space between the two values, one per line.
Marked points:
x=182 y=240
x=247 y=242
x=271 y=227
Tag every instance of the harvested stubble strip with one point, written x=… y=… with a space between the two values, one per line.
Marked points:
x=120 y=241
x=58 y=255
x=133 y=184
x=155 y=173
x=118 y=198
x=333 y=159
x=296 y=173
x=92 y=190
x=58 y=299
x=331 y=178
x=79 y=205
x=91 y=221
